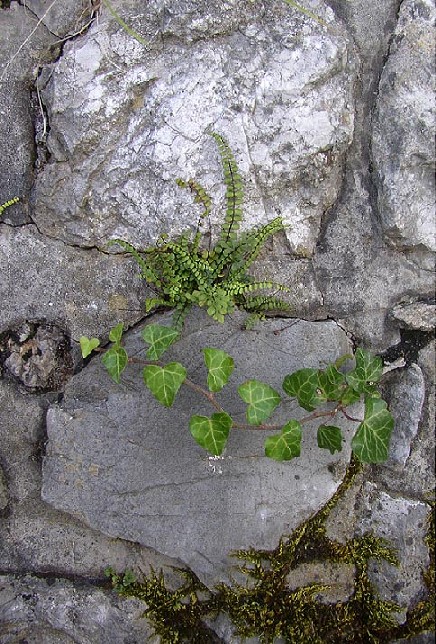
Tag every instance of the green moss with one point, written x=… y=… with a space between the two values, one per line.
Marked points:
x=266 y=607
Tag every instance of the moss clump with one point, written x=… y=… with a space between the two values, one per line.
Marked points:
x=266 y=607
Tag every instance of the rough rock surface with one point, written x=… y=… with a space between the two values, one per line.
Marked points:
x=404 y=156
x=331 y=126
x=279 y=86
x=127 y=466
x=83 y=290
x=380 y=512
x=52 y=612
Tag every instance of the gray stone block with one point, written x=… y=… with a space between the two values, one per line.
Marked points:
x=129 y=467
x=127 y=120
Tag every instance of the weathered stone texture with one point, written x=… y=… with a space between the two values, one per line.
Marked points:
x=129 y=467
x=37 y=611
x=419 y=316
x=404 y=523
x=332 y=128
x=403 y=131
x=85 y=291
x=126 y=121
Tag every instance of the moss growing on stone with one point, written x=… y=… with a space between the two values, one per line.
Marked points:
x=267 y=607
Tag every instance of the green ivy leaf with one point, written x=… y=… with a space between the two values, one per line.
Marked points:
x=159 y=338
x=261 y=399
x=287 y=444
x=330 y=437
x=220 y=366
x=211 y=433
x=87 y=345
x=303 y=385
x=371 y=440
x=116 y=333
x=368 y=369
x=115 y=360
x=164 y=382
x=331 y=384
x=350 y=396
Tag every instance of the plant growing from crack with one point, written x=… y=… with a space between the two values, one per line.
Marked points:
x=184 y=274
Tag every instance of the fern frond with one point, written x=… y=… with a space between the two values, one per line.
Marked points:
x=153 y=303
x=251 y=243
x=234 y=193
x=5 y=205
x=264 y=303
x=202 y=198
x=146 y=271
x=179 y=315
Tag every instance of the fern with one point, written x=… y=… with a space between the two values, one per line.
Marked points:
x=183 y=274
x=5 y=205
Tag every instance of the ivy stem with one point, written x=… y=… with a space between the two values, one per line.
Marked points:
x=210 y=397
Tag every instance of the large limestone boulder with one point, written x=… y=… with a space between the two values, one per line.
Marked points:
x=129 y=467
x=125 y=120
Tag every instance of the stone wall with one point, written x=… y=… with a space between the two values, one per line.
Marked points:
x=330 y=114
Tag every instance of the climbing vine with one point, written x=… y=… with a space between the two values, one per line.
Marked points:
x=330 y=389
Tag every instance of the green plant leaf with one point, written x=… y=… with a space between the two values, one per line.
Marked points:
x=330 y=437
x=350 y=396
x=371 y=440
x=115 y=360
x=368 y=370
x=116 y=333
x=303 y=385
x=164 y=382
x=261 y=399
x=287 y=444
x=87 y=345
x=220 y=366
x=211 y=433
x=159 y=338
x=331 y=384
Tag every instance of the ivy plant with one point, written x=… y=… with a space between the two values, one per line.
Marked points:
x=325 y=393
x=184 y=273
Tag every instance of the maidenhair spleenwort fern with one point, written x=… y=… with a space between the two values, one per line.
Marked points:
x=5 y=205
x=184 y=274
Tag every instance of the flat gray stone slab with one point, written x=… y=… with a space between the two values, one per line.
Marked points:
x=130 y=468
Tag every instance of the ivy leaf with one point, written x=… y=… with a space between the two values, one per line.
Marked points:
x=303 y=385
x=349 y=396
x=261 y=398
x=159 y=338
x=371 y=440
x=287 y=444
x=87 y=345
x=368 y=369
x=211 y=433
x=220 y=366
x=164 y=382
x=331 y=384
x=116 y=333
x=115 y=360
x=330 y=437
